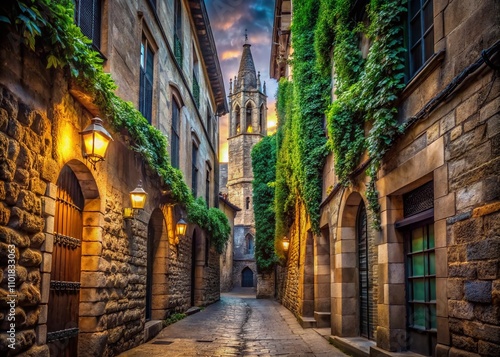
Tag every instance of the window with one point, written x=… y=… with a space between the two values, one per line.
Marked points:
x=420 y=260
x=146 y=81
x=209 y=124
x=237 y=114
x=249 y=118
x=174 y=140
x=421 y=282
x=207 y=187
x=249 y=244
x=196 y=85
x=88 y=18
x=420 y=34
x=247 y=203
x=261 y=119
x=178 y=31
x=194 y=170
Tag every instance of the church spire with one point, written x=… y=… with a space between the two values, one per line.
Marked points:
x=246 y=73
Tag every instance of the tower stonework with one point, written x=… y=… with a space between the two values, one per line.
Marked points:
x=247 y=126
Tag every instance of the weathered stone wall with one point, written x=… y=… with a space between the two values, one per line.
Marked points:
x=265 y=285
x=238 y=266
x=40 y=123
x=226 y=258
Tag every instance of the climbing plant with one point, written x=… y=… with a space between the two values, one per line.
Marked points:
x=285 y=185
x=264 y=170
x=366 y=90
x=47 y=28
x=311 y=94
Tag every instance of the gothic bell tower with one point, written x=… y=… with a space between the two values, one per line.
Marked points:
x=247 y=126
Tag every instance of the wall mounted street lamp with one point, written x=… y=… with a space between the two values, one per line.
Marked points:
x=95 y=141
x=137 y=199
x=180 y=230
x=286 y=243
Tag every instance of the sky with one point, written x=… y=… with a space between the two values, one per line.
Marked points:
x=229 y=19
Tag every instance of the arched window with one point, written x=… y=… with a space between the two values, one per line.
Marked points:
x=249 y=128
x=247 y=203
x=175 y=134
x=237 y=115
x=249 y=244
x=261 y=118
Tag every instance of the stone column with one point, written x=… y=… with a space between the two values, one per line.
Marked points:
x=322 y=302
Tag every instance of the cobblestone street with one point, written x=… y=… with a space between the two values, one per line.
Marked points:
x=238 y=325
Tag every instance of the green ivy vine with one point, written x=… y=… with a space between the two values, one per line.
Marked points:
x=366 y=90
x=264 y=170
x=47 y=28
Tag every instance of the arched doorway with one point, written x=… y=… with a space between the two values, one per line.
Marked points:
x=156 y=267
x=247 y=278
x=64 y=296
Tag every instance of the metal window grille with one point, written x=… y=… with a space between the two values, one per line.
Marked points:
x=419 y=200
x=88 y=18
x=194 y=171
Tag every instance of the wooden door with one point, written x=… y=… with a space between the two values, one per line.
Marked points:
x=62 y=321
x=247 y=278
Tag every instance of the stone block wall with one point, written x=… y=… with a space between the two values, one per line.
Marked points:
x=40 y=123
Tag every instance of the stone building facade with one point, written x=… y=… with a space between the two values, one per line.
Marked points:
x=132 y=272
x=226 y=259
x=247 y=126
x=440 y=204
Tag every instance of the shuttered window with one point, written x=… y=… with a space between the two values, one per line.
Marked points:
x=194 y=170
x=88 y=18
x=146 y=81
x=174 y=141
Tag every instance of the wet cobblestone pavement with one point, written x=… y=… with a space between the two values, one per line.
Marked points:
x=238 y=325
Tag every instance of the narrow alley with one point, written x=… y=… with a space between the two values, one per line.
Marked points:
x=238 y=325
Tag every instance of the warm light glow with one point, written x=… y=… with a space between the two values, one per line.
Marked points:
x=138 y=197
x=95 y=141
x=249 y=129
x=180 y=228
x=286 y=243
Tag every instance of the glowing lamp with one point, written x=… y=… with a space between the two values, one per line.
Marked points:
x=138 y=197
x=95 y=141
x=286 y=243
x=180 y=228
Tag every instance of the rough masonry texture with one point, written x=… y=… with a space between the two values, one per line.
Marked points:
x=455 y=148
x=131 y=270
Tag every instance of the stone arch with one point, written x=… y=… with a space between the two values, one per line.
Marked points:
x=157 y=267
x=346 y=320
x=249 y=109
x=90 y=244
x=237 y=120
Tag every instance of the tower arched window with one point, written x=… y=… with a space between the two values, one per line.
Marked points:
x=247 y=203
x=249 y=244
x=249 y=118
x=261 y=119
x=237 y=115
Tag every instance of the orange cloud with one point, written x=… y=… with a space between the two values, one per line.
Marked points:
x=230 y=54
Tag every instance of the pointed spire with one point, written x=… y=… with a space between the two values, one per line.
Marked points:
x=230 y=85
x=264 y=91
x=246 y=73
x=258 y=80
